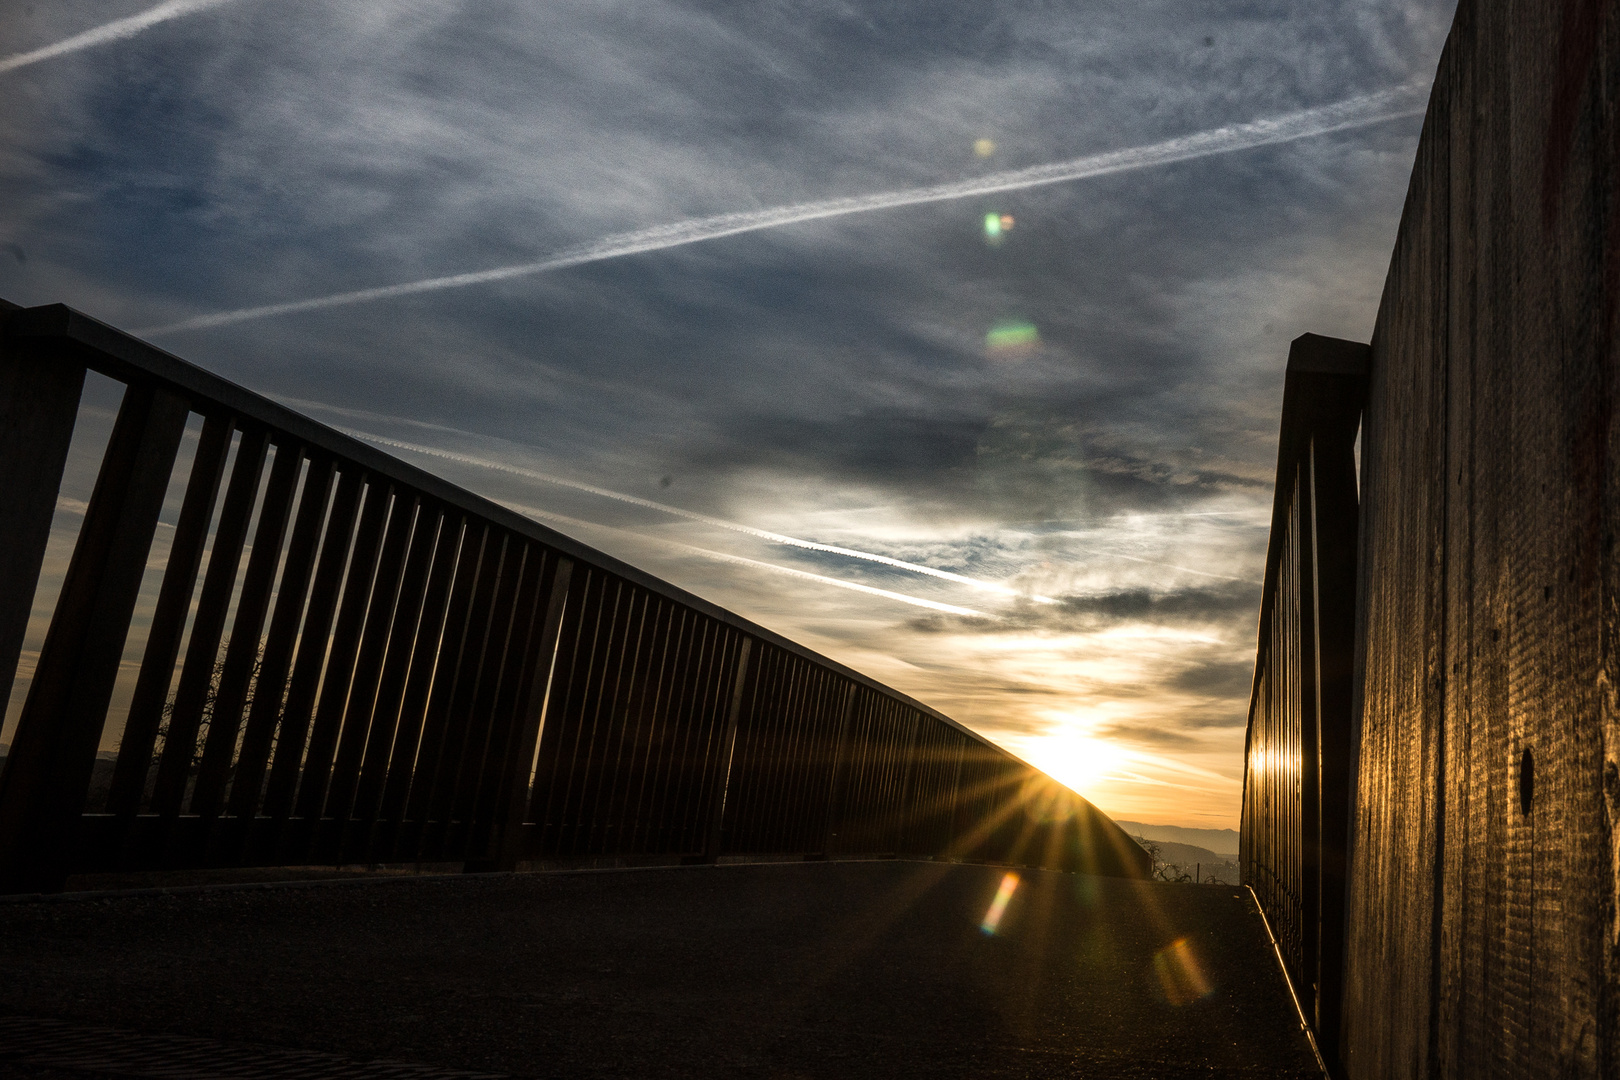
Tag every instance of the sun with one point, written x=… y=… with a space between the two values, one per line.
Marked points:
x=1075 y=759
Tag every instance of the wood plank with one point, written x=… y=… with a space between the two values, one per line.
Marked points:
x=276 y=666
x=728 y=741
x=432 y=547
x=169 y=617
x=462 y=718
x=39 y=403
x=431 y=638
x=336 y=541
x=500 y=648
x=533 y=698
x=47 y=773
x=243 y=653
x=455 y=642
x=333 y=709
x=193 y=698
x=379 y=631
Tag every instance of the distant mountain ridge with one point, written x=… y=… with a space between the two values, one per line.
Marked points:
x=1223 y=842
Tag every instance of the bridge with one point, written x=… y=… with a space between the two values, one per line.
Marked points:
x=542 y=784
x=407 y=784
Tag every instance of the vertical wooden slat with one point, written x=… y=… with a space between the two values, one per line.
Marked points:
x=667 y=742
x=584 y=696
x=1304 y=592
x=618 y=686
x=1333 y=482
x=169 y=618
x=835 y=772
x=359 y=712
x=711 y=646
x=756 y=771
x=639 y=657
x=645 y=721
x=483 y=717
x=601 y=717
x=47 y=773
x=437 y=715
x=553 y=755
x=532 y=703
x=680 y=759
x=461 y=718
x=312 y=648
x=431 y=639
x=796 y=761
x=242 y=654
x=521 y=666
x=337 y=681
x=276 y=665
x=728 y=741
x=39 y=401
x=198 y=678
x=413 y=622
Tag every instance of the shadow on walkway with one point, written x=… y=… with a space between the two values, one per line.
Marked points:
x=849 y=970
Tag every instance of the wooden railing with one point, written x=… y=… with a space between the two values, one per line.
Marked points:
x=1298 y=763
x=377 y=666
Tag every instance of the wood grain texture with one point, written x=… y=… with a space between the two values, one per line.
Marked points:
x=1481 y=929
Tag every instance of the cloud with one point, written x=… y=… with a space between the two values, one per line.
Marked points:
x=1168 y=738
x=1185 y=605
x=1362 y=111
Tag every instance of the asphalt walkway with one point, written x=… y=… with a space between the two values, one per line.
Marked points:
x=848 y=970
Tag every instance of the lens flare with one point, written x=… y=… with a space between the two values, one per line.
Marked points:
x=984 y=147
x=1012 y=337
x=996 y=227
x=998 y=906
x=1180 y=975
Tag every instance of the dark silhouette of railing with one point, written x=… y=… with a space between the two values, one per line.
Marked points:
x=402 y=671
x=1298 y=763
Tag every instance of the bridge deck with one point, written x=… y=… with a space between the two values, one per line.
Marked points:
x=875 y=969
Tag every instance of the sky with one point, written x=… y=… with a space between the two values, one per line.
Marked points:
x=946 y=339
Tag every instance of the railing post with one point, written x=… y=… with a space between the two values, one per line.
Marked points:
x=949 y=844
x=728 y=744
x=832 y=774
x=47 y=774
x=508 y=843
x=39 y=401
x=1301 y=696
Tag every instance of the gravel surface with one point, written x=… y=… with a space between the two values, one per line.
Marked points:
x=849 y=970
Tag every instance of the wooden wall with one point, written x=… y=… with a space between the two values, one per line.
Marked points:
x=1482 y=927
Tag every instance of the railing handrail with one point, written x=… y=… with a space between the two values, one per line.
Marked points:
x=1295 y=810
x=1309 y=355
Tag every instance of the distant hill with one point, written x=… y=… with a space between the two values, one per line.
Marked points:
x=1172 y=860
x=1222 y=842
x=1185 y=854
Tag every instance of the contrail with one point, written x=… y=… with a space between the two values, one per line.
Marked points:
x=113 y=31
x=1172 y=566
x=762 y=534
x=1353 y=112
x=820 y=579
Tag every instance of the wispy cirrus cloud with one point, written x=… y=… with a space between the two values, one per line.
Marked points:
x=1362 y=111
